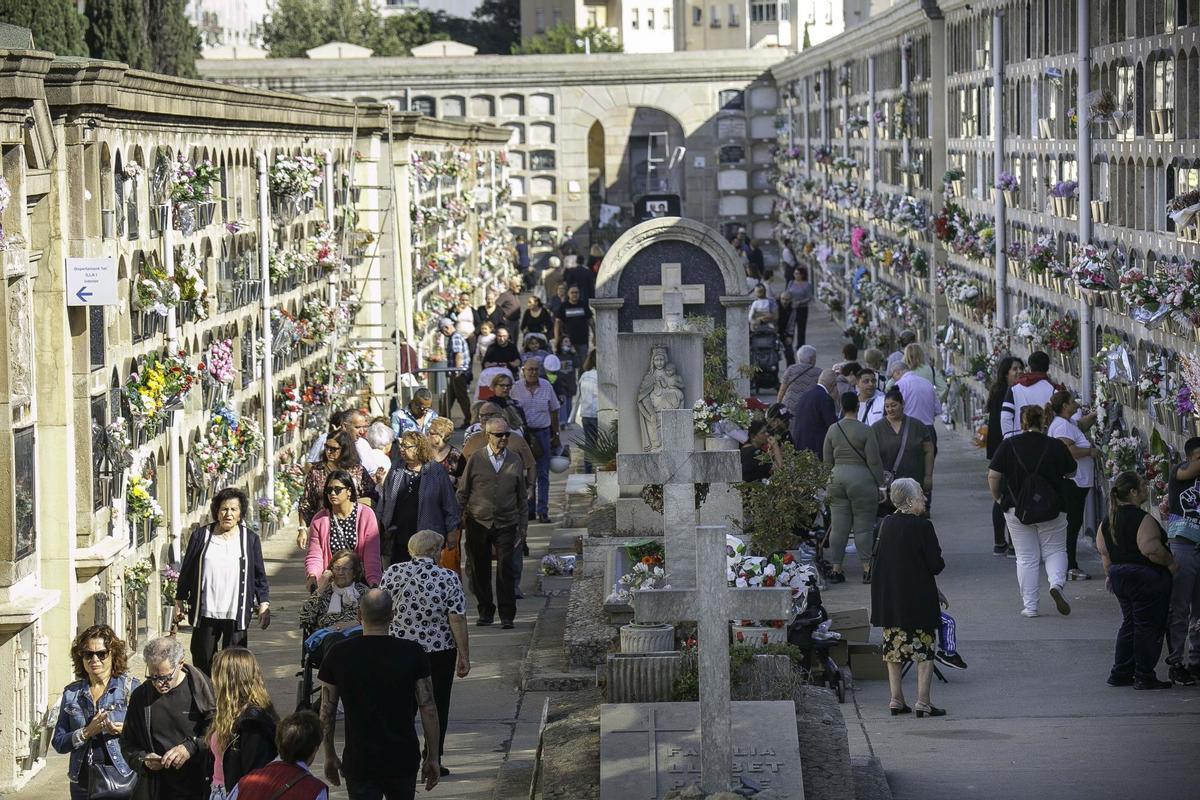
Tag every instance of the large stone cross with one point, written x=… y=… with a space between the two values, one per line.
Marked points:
x=711 y=605
x=678 y=467
x=672 y=294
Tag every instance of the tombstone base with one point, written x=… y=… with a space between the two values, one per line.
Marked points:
x=637 y=637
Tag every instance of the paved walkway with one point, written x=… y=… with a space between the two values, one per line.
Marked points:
x=1031 y=716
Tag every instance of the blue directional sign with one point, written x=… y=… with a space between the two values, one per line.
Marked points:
x=91 y=282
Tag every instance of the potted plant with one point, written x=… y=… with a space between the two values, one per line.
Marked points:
x=647 y=572
x=1093 y=270
x=1183 y=207
x=953 y=179
x=168 y=588
x=601 y=452
x=1008 y=186
x=192 y=194
x=1062 y=195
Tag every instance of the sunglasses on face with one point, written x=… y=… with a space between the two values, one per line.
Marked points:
x=335 y=489
x=161 y=680
x=499 y=435
x=333 y=450
x=88 y=655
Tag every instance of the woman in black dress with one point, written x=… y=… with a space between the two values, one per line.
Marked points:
x=904 y=594
x=1139 y=567
x=1007 y=372
x=536 y=318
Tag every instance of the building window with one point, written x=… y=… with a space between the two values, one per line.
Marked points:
x=733 y=16
x=714 y=19
x=423 y=105
x=650 y=19
x=784 y=12
x=666 y=19
x=539 y=21
x=25 y=499
x=697 y=15
x=541 y=159
x=591 y=18
x=763 y=11
x=731 y=100
x=633 y=18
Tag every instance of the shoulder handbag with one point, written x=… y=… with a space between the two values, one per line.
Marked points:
x=107 y=781
x=889 y=475
x=882 y=489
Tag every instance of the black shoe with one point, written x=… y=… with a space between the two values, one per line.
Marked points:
x=929 y=711
x=951 y=660
x=867 y=577
x=1181 y=676
x=837 y=577
x=1060 y=601
x=1152 y=683
x=904 y=709
x=1114 y=680
x=506 y=625
x=543 y=518
x=482 y=621
x=518 y=595
x=999 y=549
x=445 y=772
x=1010 y=552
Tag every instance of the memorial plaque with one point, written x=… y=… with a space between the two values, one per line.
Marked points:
x=648 y=749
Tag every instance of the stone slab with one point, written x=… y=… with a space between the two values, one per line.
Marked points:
x=685 y=351
x=554 y=585
x=564 y=540
x=648 y=749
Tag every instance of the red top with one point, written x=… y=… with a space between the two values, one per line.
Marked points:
x=262 y=784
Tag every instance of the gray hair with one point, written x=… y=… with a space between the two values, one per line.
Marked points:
x=806 y=354
x=904 y=491
x=164 y=648
x=425 y=544
x=422 y=393
x=380 y=435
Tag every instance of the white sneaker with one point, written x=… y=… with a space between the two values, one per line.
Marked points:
x=1029 y=612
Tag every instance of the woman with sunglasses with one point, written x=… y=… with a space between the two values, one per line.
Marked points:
x=341 y=525
x=222 y=580
x=340 y=454
x=416 y=495
x=92 y=712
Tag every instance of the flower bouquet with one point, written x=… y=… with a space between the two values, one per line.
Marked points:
x=295 y=177
x=1182 y=208
x=1093 y=269
x=1062 y=194
x=324 y=249
x=952 y=180
x=1008 y=185
x=157 y=383
x=155 y=290
x=192 y=288
x=1063 y=334
x=1123 y=454
x=140 y=505
x=1043 y=256
x=219 y=367
x=1152 y=381
x=823 y=154
x=168 y=585
x=722 y=419
x=136 y=576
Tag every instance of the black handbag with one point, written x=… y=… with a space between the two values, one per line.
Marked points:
x=105 y=781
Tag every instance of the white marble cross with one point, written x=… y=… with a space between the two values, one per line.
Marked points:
x=677 y=467
x=672 y=294
x=711 y=605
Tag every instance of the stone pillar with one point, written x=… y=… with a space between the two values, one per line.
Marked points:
x=737 y=338
x=607 y=365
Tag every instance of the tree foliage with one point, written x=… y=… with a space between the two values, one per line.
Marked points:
x=564 y=38
x=297 y=26
x=56 y=25
x=174 y=41
x=117 y=32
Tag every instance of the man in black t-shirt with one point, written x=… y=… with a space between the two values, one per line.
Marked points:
x=574 y=319
x=381 y=681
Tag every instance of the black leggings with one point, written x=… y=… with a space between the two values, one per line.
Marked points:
x=1076 y=501
x=999 y=528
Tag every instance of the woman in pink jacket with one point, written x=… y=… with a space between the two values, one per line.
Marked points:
x=343 y=524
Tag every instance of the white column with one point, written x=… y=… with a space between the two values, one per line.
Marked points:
x=1083 y=150
x=872 y=165
x=333 y=278
x=268 y=382
x=174 y=484
x=998 y=167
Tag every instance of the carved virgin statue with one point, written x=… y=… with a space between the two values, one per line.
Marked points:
x=661 y=390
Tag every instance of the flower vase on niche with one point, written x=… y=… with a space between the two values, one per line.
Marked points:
x=647 y=637
x=758 y=635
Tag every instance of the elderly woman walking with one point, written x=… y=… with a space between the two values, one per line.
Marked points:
x=417 y=495
x=92 y=714
x=429 y=608
x=853 y=451
x=222 y=580
x=166 y=724
x=904 y=595
x=343 y=524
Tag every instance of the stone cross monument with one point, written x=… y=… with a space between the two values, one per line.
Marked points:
x=672 y=294
x=677 y=467
x=711 y=605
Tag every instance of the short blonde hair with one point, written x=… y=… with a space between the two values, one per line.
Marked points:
x=441 y=425
x=420 y=442
x=914 y=355
x=425 y=544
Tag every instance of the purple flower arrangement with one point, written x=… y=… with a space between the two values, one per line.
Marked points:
x=1064 y=189
x=1007 y=182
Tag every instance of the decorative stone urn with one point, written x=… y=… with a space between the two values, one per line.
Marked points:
x=639 y=637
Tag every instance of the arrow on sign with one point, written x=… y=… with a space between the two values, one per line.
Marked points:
x=83 y=294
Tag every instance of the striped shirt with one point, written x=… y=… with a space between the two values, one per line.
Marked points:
x=537 y=403
x=455 y=345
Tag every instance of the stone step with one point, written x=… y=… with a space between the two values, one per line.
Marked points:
x=544 y=668
x=564 y=540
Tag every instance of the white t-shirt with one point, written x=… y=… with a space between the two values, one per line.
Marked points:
x=222 y=576
x=1085 y=467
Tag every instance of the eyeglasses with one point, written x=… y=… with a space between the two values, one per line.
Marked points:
x=409 y=447
x=88 y=655
x=162 y=680
x=504 y=385
x=333 y=449
x=335 y=489
x=499 y=435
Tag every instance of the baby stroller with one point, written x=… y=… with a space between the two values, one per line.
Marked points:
x=764 y=357
x=809 y=633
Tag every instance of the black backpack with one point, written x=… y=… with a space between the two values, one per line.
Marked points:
x=1038 y=499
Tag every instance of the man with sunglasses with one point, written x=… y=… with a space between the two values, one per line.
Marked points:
x=493 y=495
x=166 y=723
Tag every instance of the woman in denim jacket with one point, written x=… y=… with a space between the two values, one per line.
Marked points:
x=92 y=712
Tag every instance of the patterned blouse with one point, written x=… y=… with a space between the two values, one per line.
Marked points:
x=312 y=501
x=343 y=532
x=423 y=597
x=453 y=464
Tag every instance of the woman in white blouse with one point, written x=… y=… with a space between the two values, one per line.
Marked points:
x=1062 y=409
x=429 y=608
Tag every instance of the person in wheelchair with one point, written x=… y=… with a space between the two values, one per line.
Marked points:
x=330 y=614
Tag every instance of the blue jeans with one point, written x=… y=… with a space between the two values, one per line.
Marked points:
x=1145 y=597
x=541 y=506
x=394 y=787
x=564 y=411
